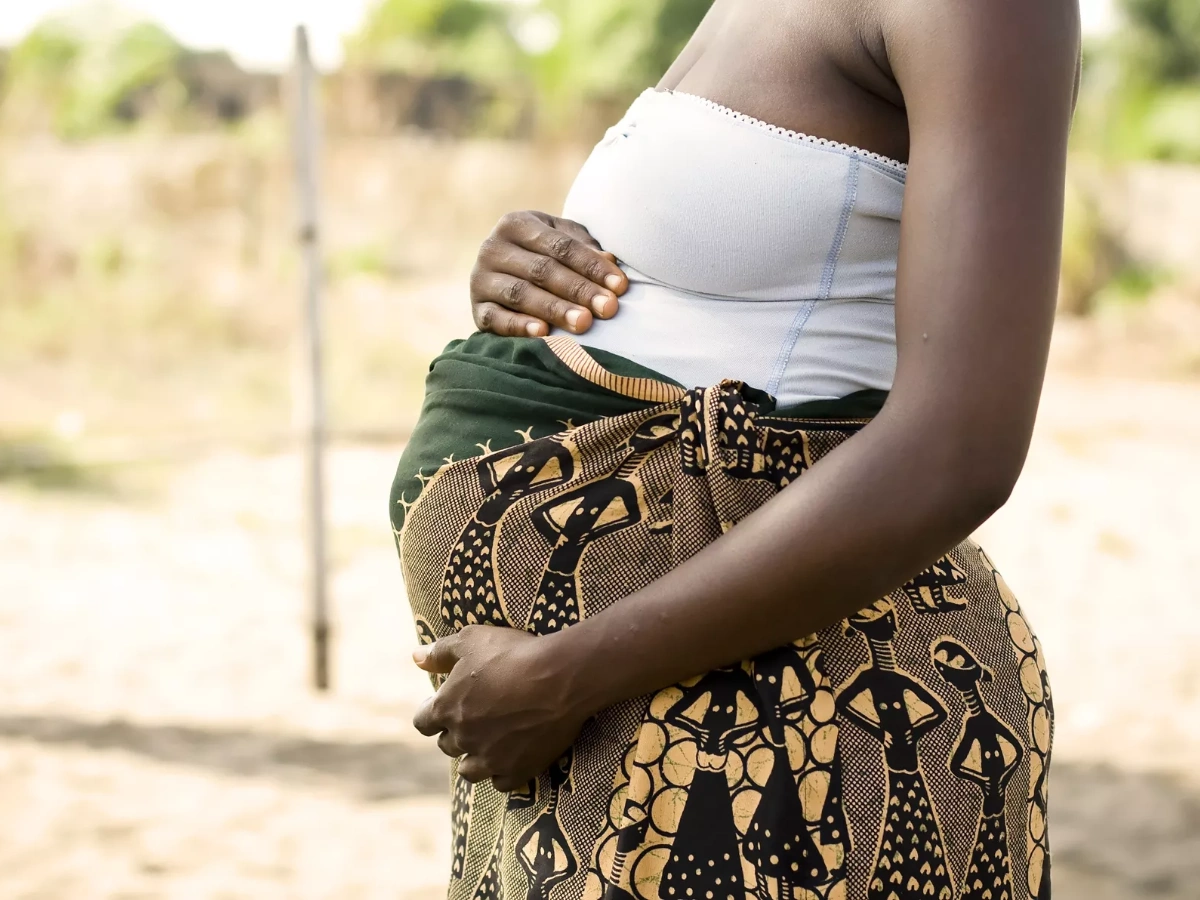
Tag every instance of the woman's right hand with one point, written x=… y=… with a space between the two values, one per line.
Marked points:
x=536 y=271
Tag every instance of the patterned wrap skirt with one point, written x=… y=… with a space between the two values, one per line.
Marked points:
x=901 y=754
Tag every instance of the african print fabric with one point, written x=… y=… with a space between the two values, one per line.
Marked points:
x=902 y=754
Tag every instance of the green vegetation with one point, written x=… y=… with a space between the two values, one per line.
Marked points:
x=1139 y=100
x=92 y=70
x=434 y=37
x=46 y=464
x=579 y=46
x=80 y=81
x=563 y=52
x=1140 y=97
x=87 y=72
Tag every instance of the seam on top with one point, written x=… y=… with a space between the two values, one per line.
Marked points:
x=831 y=261
x=835 y=251
x=881 y=162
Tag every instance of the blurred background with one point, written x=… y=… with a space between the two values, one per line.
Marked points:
x=158 y=735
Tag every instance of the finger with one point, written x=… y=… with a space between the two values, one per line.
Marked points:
x=575 y=229
x=578 y=231
x=557 y=279
x=448 y=745
x=520 y=295
x=494 y=318
x=517 y=225
x=615 y=278
x=427 y=721
x=440 y=656
x=473 y=769
x=572 y=253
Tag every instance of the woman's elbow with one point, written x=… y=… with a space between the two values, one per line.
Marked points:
x=978 y=485
x=960 y=466
x=991 y=493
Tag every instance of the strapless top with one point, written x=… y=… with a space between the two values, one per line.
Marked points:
x=753 y=253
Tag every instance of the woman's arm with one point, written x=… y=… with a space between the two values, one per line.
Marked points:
x=988 y=87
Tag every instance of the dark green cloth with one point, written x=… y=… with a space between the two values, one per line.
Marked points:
x=524 y=381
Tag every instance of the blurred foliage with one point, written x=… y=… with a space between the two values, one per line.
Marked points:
x=1092 y=255
x=1139 y=100
x=564 y=52
x=91 y=70
x=94 y=69
x=1161 y=42
x=434 y=37
x=76 y=76
x=46 y=463
x=1140 y=97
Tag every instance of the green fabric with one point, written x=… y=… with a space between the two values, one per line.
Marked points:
x=478 y=387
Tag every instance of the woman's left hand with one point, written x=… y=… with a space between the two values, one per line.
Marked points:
x=506 y=704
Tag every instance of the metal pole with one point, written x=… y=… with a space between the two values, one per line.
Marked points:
x=305 y=147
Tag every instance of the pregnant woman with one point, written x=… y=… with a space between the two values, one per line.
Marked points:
x=685 y=526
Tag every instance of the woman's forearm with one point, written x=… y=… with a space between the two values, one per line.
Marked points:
x=860 y=523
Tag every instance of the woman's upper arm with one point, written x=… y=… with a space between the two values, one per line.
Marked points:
x=988 y=87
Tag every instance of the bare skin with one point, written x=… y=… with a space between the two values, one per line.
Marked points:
x=977 y=96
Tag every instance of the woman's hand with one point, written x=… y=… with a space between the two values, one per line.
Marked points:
x=505 y=704
x=536 y=271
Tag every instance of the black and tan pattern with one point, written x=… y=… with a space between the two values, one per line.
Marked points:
x=897 y=710
x=1040 y=726
x=900 y=755
x=986 y=753
x=936 y=589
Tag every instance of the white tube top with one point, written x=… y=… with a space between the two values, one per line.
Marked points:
x=753 y=253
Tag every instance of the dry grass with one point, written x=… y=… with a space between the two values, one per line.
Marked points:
x=150 y=284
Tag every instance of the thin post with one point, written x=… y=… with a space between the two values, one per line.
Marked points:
x=305 y=153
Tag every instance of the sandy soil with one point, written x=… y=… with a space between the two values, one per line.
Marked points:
x=157 y=738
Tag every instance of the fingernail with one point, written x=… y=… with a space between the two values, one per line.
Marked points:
x=420 y=655
x=602 y=303
x=533 y=329
x=613 y=281
x=573 y=318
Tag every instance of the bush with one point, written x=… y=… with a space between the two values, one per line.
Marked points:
x=57 y=79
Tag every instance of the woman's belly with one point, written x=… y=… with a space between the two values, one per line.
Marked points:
x=797 y=350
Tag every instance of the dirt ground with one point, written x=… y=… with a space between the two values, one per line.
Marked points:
x=157 y=738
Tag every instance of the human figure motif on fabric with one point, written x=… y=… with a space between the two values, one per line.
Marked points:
x=777 y=841
x=717 y=711
x=896 y=709
x=543 y=849
x=572 y=521
x=987 y=754
x=469 y=593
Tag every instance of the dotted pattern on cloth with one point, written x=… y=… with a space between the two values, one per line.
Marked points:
x=900 y=754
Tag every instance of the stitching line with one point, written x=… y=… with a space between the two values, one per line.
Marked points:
x=886 y=163
x=831 y=261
